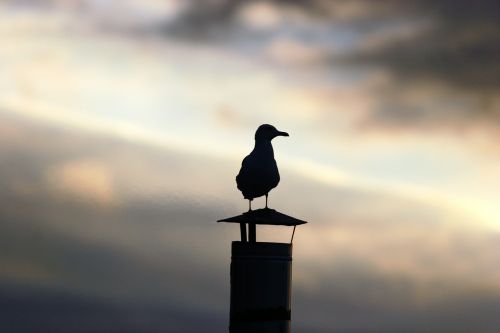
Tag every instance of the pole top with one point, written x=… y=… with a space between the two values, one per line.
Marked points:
x=264 y=216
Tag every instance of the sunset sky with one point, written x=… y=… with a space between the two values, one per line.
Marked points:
x=124 y=123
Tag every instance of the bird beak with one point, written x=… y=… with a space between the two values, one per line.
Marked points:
x=282 y=134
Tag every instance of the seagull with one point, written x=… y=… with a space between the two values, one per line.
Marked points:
x=259 y=173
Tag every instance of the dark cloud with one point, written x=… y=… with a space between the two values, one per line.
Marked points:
x=216 y=19
x=55 y=310
x=451 y=45
x=153 y=261
x=453 y=62
x=461 y=46
x=446 y=51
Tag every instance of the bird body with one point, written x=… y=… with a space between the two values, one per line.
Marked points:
x=259 y=172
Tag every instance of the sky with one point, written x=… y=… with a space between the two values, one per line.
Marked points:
x=124 y=123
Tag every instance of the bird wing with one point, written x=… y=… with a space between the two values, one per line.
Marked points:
x=242 y=178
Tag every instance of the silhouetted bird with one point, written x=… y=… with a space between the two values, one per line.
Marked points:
x=259 y=172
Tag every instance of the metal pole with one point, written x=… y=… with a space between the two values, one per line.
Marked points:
x=261 y=275
x=243 y=232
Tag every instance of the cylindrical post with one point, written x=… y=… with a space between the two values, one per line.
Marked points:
x=261 y=279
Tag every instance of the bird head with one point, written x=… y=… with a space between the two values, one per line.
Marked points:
x=268 y=132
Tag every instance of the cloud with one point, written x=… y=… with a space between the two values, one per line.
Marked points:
x=227 y=116
x=367 y=255
x=50 y=309
x=459 y=47
x=443 y=52
x=289 y=51
x=364 y=257
x=85 y=179
x=260 y=16
x=444 y=74
x=439 y=72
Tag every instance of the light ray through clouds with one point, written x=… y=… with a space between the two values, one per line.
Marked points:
x=122 y=125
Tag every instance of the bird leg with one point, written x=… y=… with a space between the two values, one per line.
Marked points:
x=266 y=198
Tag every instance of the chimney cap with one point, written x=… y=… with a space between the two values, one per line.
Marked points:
x=264 y=216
